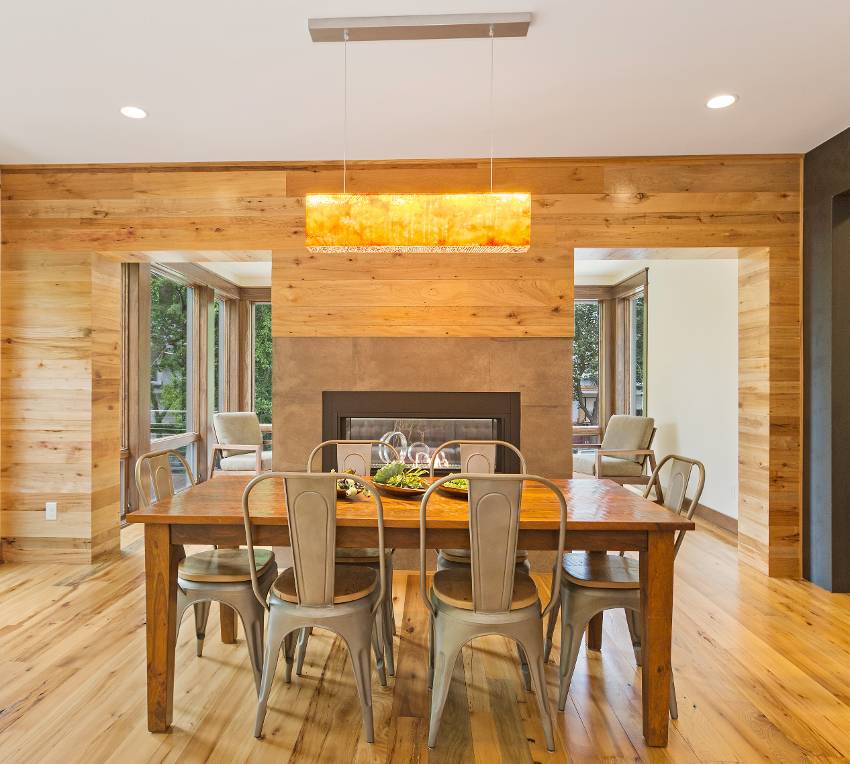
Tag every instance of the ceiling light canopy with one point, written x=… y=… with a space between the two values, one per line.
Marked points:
x=722 y=101
x=134 y=112
x=494 y=222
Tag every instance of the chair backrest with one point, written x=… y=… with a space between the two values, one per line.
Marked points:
x=154 y=478
x=628 y=433
x=310 y=502
x=237 y=427
x=352 y=455
x=673 y=489
x=477 y=456
x=494 y=506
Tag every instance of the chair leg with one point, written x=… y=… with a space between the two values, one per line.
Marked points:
x=252 y=623
x=301 y=650
x=380 y=650
x=431 y=637
x=384 y=622
x=288 y=651
x=202 y=614
x=523 y=666
x=674 y=705
x=633 y=621
x=359 y=639
x=272 y=651
x=533 y=648
x=572 y=629
x=550 y=630
x=446 y=650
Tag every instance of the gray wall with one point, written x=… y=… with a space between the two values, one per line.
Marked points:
x=826 y=321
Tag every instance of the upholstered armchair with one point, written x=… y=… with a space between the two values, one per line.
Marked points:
x=625 y=451
x=240 y=443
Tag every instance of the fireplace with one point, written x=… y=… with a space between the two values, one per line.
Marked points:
x=417 y=422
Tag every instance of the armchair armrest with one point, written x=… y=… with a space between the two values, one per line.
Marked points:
x=265 y=428
x=222 y=447
x=619 y=452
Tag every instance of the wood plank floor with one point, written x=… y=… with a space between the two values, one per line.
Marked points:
x=762 y=668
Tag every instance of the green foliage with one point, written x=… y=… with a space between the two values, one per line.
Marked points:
x=400 y=475
x=169 y=346
x=263 y=361
x=586 y=352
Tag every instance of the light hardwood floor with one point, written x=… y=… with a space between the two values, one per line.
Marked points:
x=762 y=668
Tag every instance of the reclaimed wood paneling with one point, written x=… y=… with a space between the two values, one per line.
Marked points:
x=56 y=217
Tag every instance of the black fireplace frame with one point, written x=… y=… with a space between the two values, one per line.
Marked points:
x=339 y=405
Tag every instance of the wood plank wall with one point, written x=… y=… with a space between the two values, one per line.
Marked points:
x=54 y=220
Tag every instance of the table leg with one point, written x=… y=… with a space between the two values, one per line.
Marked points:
x=228 y=624
x=161 y=559
x=594 y=632
x=656 y=597
x=227 y=616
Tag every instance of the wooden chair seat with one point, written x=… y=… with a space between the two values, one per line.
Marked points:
x=223 y=565
x=351 y=582
x=598 y=571
x=463 y=556
x=454 y=587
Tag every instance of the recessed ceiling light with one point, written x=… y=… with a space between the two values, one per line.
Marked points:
x=133 y=112
x=721 y=101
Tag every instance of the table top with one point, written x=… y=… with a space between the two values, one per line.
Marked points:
x=592 y=505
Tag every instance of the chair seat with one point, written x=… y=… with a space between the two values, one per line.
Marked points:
x=246 y=462
x=612 y=466
x=351 y=582
x=454 y=587
x=597 y=571
x=223 y=565
x=463 y=556
x=359 y=556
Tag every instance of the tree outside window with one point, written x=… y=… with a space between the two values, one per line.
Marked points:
x=263 y=362
x=586 y=363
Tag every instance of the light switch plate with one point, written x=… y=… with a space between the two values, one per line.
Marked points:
x=50 y=510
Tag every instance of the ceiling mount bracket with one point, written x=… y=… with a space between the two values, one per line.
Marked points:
x=452 y=26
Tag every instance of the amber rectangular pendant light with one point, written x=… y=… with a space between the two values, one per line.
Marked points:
x=496 y=222
x=484 y=222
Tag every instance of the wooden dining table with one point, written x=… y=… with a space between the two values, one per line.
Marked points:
x=602 y=516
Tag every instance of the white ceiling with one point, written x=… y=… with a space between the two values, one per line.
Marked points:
x=226 y=80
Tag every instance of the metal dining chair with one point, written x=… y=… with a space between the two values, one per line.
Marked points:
x=215 y=575
x=317 y=591
x=356 y=455
x=476 y=456
x=592 y=583
x=491 y=595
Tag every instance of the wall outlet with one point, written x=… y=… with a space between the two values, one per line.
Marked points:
x=50 y=510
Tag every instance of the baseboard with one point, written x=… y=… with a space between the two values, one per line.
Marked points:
x=724 y=522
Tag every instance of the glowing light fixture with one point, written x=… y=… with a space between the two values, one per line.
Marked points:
x=473 y=222
x=722 y=101
x=133 y=112
x=418 y=222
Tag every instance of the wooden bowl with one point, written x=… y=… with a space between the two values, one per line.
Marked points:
x=394 y=490
x=453 y=491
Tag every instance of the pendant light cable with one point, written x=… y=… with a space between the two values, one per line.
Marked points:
x=345 y=109
x=492 y=90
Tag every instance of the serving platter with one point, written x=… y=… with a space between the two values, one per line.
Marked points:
x=454 y=491
x=394 y=490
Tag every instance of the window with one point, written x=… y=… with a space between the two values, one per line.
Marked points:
x=586 y=371
x=218 y=355
x=171 y=343
x=637 y=354
x=263 y=361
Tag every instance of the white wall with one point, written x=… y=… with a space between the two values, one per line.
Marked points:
x=693 y=369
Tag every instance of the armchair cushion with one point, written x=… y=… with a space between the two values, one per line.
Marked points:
x=237 y=427
x=612 y=466
x=626 y=432
x=245 y=462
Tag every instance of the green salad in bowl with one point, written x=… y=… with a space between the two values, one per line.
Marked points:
x=400 y=475
x=462 y=484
